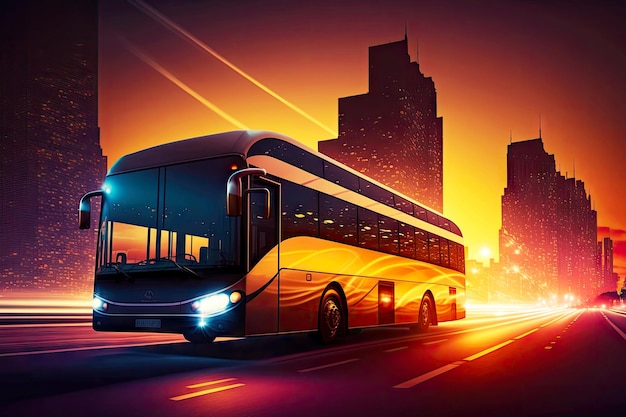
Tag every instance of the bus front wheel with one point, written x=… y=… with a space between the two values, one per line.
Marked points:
x=331 y=316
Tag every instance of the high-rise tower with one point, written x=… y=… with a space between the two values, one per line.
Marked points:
x=50 y=146
x=392 y=133
x=549 y=229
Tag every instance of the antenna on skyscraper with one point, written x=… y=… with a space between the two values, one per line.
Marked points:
x=539 y=125
x=510 y=136
x=574 y=168
x=406 y=27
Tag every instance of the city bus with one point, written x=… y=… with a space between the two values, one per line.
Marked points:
x=249 y=233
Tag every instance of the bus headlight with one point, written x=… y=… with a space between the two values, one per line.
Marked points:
x=216 y=303
x=98 y=304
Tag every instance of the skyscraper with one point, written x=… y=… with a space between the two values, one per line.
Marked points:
x=50 y=142
x=392 y=133
x=608 y=277
x=549 y=230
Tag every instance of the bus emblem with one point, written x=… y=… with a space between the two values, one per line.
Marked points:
x=148 y=294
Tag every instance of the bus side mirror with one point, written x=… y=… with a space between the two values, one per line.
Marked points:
x=84 y=209
x=234 y=190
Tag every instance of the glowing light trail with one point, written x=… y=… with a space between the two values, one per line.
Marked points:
x=145 y=58
x=169 y=24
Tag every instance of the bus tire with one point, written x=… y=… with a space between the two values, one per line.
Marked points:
x=331 y=317
x=425 y=314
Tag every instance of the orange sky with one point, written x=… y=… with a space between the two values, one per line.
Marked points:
x=500 y=69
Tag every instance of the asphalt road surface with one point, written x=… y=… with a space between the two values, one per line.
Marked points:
x=496 y=362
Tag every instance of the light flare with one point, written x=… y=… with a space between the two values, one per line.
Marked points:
x=145 y=58
x=172 y=26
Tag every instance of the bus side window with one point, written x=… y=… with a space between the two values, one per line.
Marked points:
x=263 y=231
x=299 y=211
x=421 y=245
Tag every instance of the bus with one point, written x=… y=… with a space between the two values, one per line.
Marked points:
x=247 y=233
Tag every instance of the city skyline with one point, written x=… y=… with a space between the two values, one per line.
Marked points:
x=51 y=151
x=503 y=71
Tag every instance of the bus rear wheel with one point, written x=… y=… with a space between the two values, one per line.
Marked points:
x=425 y=315
x=331 y=317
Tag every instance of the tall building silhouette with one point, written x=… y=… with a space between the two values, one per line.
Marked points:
x=50 y=142
x=609 y=278
x=548 y=239
x=392 y=133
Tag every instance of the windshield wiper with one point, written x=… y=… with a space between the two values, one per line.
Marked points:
x=182 y=267
x=121 y=271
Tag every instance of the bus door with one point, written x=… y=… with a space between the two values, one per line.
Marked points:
x=263 y=237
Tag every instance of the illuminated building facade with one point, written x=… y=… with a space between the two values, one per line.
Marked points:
x=50 y=146
x=548 y=237
x=609 y=278
x=392 y=133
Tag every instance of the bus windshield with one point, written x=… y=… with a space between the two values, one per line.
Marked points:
x=169 y=217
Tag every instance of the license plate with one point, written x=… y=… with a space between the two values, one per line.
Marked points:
x=148 y=323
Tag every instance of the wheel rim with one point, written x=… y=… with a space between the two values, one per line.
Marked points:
x=332 y=316
x=425 y=313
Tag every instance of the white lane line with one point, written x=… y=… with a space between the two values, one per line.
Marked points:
x=396 y=349
x=488 y=351
x=434 y=342
x=425 y=377
x=330 y=365
x=617 y=329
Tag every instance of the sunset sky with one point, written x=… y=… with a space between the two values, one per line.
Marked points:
x=501 y=69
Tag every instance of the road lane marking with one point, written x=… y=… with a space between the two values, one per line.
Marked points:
x=617 y=329
x=396 y=349
x=525 y=334
x=429 y=375
x=432 y=374
x=206 y=391
x=488 y=351
x=365 y=345
x=204 y=384
x=79 y=349
x=328 y=365
x=434 y=342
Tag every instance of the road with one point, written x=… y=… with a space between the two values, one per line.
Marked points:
x=513 y=362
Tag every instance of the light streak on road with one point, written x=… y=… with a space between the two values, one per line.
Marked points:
x=396 y=349
x=145 y=58
x=172 y=26
x=330 y=365
x=451 y=366
x=207 y=391
x=81 y=348
x=434 y=342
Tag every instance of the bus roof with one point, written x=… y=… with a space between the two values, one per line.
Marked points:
x=236 y=142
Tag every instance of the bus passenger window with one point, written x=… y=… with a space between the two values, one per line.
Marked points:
x=299 y=212
x=433 y=249
x=445 y=255
x=421 y=245
x=337 y=220
x=368 y=229
x=407 y=240
x=388 y=235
